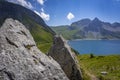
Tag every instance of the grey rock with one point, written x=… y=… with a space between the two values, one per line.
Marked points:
x=20 y=59
x=61 y=52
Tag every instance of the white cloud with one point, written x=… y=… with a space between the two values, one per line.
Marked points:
x=37 y=12
x=41 y=2
x=24 y=3
x=70 y=16
x=42 y=9
x=43 y=15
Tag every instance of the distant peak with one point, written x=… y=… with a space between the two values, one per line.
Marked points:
x=85 y=19
x=96 y=19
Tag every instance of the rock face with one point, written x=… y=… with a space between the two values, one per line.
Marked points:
x=20 y=59
x=62 y=53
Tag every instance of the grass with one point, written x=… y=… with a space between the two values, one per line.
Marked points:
x=42 y=37
x=44 y=47
x=98 y=64
x=65 y=32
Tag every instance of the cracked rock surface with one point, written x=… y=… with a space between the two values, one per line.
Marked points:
x=20 y=59
x=61 y=52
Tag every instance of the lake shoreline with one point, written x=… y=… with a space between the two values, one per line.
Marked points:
x=96 y=47
x=91 y=39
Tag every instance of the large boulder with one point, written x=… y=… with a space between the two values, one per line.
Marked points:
x=20 y=59
x=61 y=52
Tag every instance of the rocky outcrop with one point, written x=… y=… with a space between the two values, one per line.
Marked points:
x=62 y=53
x=20 y=59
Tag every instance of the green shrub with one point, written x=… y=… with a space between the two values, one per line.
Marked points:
x=92 y=55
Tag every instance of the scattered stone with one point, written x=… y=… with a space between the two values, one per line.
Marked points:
x=104 y=73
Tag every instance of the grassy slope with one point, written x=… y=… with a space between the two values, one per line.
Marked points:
x=42 y=37
x=94 y=66
x=65 y=32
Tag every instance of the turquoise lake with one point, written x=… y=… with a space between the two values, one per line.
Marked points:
x=97 y=47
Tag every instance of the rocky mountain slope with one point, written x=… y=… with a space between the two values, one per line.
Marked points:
x=62 y=53
x=90 y=29
x=20 y=59
x=42 y=34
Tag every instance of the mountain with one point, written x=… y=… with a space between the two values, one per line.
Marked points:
x=20 y=59
x=42 y=34
x=90 y=29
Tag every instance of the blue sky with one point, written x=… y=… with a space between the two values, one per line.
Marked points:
x=64 y=12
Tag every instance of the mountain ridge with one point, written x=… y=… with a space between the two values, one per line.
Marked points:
x=90 y=29
x=18 y=13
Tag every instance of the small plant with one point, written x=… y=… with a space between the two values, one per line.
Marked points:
x=28 y=46
x=35 y=61
x=92 y=55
